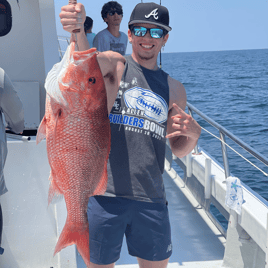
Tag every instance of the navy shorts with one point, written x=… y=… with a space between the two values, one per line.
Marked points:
x=146 y=226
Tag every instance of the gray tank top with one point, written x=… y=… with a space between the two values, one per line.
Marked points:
x=138 y=128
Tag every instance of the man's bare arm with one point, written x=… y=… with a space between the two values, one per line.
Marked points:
x=182 y=130
x=112 y=65
x=73 y=18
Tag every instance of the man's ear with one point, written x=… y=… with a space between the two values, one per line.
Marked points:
x=129 y=34
x=166 y=38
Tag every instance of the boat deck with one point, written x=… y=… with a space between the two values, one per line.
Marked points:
x=196 y=241
x=31 y=228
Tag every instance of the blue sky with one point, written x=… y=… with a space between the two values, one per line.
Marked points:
x=197 y=25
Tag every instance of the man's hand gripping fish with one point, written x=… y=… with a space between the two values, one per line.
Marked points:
x=77 y=132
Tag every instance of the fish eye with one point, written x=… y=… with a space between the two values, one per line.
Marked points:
x=92 y=80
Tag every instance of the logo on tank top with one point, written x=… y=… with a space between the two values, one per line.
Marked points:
x=153 y=105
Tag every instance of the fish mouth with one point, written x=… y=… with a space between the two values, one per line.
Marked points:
x=78 y=57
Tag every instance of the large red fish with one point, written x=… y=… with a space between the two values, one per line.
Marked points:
x=77 y=131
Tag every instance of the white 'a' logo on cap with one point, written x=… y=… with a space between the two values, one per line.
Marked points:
x=153 y=13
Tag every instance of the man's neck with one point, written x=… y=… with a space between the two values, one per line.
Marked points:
x=114 y=30
x=148 y=64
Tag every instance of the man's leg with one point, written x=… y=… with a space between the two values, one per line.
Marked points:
x=107 y=219
x=148 y=235
x=151 y=264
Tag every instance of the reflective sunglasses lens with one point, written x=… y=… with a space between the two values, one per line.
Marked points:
x=139 y=31
x=156 y=33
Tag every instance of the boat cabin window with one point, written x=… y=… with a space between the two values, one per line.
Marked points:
x=5 y=18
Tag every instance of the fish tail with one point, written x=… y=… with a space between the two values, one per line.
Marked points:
x=78 y=236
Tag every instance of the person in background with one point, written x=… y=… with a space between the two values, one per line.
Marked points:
x=111 y=38
x=11 y=107
x=88 y=25
x=145 y=104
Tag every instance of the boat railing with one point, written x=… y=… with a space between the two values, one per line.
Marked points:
x=223 y=132
x=205 y=178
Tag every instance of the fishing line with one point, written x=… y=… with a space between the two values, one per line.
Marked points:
x=236 y=152
x=74 y=2
x=160 y=65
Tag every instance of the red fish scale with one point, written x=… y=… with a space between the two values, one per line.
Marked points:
x=78 y=146
x=78 y=151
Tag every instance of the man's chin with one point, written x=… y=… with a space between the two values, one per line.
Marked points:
x=146 y=57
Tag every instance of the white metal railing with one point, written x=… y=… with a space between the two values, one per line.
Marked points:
x=205 y=178
x=224 y=132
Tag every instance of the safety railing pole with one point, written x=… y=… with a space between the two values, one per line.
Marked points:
x=225 y=156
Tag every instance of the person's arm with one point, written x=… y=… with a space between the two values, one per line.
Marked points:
x=182 y=130
x=112 y=65
x=11 y=106
x=73 y=18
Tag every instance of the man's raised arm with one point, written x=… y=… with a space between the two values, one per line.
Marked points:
x=73 y=18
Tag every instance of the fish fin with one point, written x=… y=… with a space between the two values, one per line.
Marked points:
x=101 y=187
x=56 y=123
x=54 y=196
x=41 y=133
x=72 y=235
x=54 y=193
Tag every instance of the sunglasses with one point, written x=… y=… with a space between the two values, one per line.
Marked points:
x=112 y=12
x=141 y=31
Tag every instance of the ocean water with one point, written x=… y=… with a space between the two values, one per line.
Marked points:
x=231 y=87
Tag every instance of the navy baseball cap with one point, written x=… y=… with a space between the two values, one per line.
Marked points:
x=151 y=13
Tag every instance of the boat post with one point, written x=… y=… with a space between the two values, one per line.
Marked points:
x=207 y=178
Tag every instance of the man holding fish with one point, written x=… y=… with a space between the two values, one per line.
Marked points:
x=144 y=104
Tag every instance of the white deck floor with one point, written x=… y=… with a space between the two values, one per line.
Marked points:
x=29 y=234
